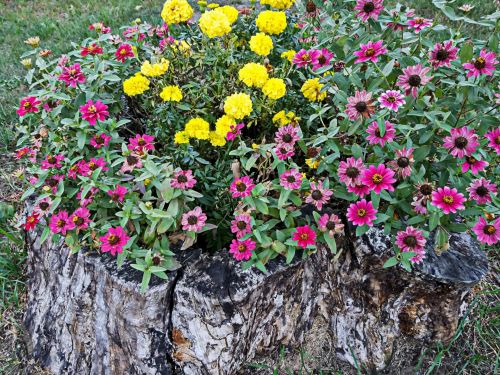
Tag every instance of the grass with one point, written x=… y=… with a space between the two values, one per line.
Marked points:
x=474 y=349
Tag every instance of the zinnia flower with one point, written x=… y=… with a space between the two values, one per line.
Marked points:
x=319 y=195
x=284 y=151
x=481 y=189
x=369 y=9
x=52 y=161
x=241 y=187
x=92 y=49
x=81 y=218
x=418 y=24
x=71 y=75
x=88 y=198
x=484 y=64
x=321 y=59
x=370 y=52
x=350 y=171
x=359 y=189
x=60 y=223
x=462 y=142
x=412 y=240
x=141 y=143
x=123 y=52
x=94 y=164
x=31 y=221
x=27 y=105
x=494 y=139
x=42 y=208
x=361 y=213
x=93 y=111
x=474 y=165
x=375 y=136
x=118 y=194
x=392 y=100
x=242 y=250
x=413 y=78
x=304 y=236
x=114 y=240
x=331 y=224
x=360 y=105
x=488 y=233
x=234 y=131
x=194 y=220
x=448 y=200
x=291 y=179
x=403 y=163
x=131 y=162
x=287 y=135
x=183 y=180
x=443 y=54
x=241 y=225
x=305 y=57
x=100 y=140
x=378 y=178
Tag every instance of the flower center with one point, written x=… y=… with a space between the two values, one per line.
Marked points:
x=414 y=80
x=316 y=195
x=78 y=220
x=192 y=220
x=497 y=140
x=489 y=229
x=287 y=138
x=448 y=199
x=361 y=107
x=290 y=179
x=131 y=160
x=442 y=54
x=61 y=223
x=182 y=179
x=92 y=166
x=419 y=21
x=99 y=140
x=241 y=248
x=361 y=212
x=480 y=63
x=482 y=191
x=123 y=52
x=92 y=109
x=322 y=59
x=377 y=178
x=141 y=142
x=241 y=225
x=368 y=7
x=304 y=236
x=391 y=99
x=51 y=159
x=410 y=241
x=330 y=225
x=240 y=186
x=471 y=159
x=352 y=172
x=310 y=7
x=306 y=57
x=27 y=105
x=370 y=52
x=461 y=142
x=113 y=239
x=403 y=162
x=53 y=182
x=43 y=205
x=72 y=72
x=426 y=189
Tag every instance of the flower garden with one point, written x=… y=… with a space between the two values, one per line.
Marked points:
x=263 y=134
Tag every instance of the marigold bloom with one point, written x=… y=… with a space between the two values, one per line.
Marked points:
x=114 y=241
x=261 y=44
x=136 y=85
x=197 y=128
x=93 y=111
x=155 y=70
x=176 y=11
x=312 y=90
x=305 y=236
x=193 y=220
x=253 y=75
x=274 y=88
x=278 y=4
x=361 y=213
x=171 y=94
x=216 y=139
x=289 y=55
x=238 y=105
x=271 y=22
x=230 y=12
x=448 y=199
x=487 y=233
x=214 y=24
x=242 y=250
x=181 y=138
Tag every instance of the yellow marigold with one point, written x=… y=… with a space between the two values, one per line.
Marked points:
x=230 y=12
x=261 y=44
x=253 y=75
x=211 y=6
x=274 y=88
x=154 y=70
x=313 y=164
x=136 y=85
x=223 y=124
x=214 y=23
x=217 y=139
x=289 y=55
x=278 y=4
x=312 y=90
x=171 y=94
x=181 y=138
x=238 y=105
x=181 y=46
x=197 y=128
x=176 y=11
x=271 y=22
x=283 y=118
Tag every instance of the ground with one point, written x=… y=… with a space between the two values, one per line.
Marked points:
x=475 y=348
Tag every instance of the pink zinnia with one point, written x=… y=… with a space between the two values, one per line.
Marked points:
x=418 y=24
x=60 y=223
x=319 y=195
x=242 y=250
x=94 y=164
x=462 y=142
x=123 y=52
x=71 y=75
x=53 y=182
x=361 y=213
x=131 y=162
x=403 y=163
x=27 y=105
x=194 y=220
x=141 y=142
x=284 y=151
x=350 y=171
x=241 y=225
x=304 y=236
x=322 y=59
x=484 y=64
x=79 y=169
x=392 y=100
x=474 y=165
x=81 y=218
x=378 y=178
x=183 y=180
x=370 y=52
x=448 y=200
x=494 y=139
x=412 y=240
x=359 y=189
x=291 y=179
x=481 y=189
x=92 y=49
x=241 y=187
x=413 y=78
x=287 y=135
x=443 y=54
x=43 y=206
x=369 y=9
x=88 y=198
x=114 y=240
x=52 y=161
x=235 y=131
x=331 y=224
x=304 y=58
x=360 y=105
x=118 y=194
x=100 y=140
x=488 y=233
x=93 y=111
x=375 y=136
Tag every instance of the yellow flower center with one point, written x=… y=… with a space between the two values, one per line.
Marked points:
x=448 y=199
x=361 y=212
x=377 y=178
x=370 y=52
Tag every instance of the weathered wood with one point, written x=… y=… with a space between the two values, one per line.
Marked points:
x=211 y=317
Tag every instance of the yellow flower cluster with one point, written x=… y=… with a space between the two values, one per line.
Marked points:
x=171 y=94
x=278 y=4
x=271 y=22
x=261 y=44
x=253 y=75
x=223 y=124
x=214 y=23
x=155 y=70
x=176 y=11
x=311 y=89
x=230 y=12
x=289 y=55
x=238 y=105
x=197 y=128
x=217 y=139
x=283 y=118
x=136 y=85
x=274 y=88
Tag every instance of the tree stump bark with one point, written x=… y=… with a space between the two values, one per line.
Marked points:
x=85 y=316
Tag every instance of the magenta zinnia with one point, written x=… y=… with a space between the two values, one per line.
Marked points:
x=361 y=213
x=331 y=224
x=350 y=171
x=304 y=236
x=392 y=100
x=241 y=187
x=443 y=54
x=413 y=78
x=484 y=64
x=242 y=250
x=81 y=218
x=494 y=139
x=481 y=190
x=319 y=195
x=183 y=180
x=60 y=223
x=419 y=23
x=378 y=178
x=194 y=220
x=448 y=199
x=487 y=233
x=27 y=105
x=241 y=225
x=360 y=105
x=291 y=179
x=375 y=136
x=114 y=241
x=118 y=193
x=369 y=9
x=93 y=111
x=72 y=75
x=403 y=163
x=462 y=142
x=412 y=240
x=370 y=52
x=474 y=165
x=123 y=52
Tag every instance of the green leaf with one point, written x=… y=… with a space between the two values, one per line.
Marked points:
x=283 y=197
x=290 y=254
x=261 y=206
x=391 y=262
x=330 y=241
x=466 y=52
x=433 y=221
x=145 y=280
x=360 y=230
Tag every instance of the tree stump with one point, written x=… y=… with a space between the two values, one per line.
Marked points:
x=85 y=316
